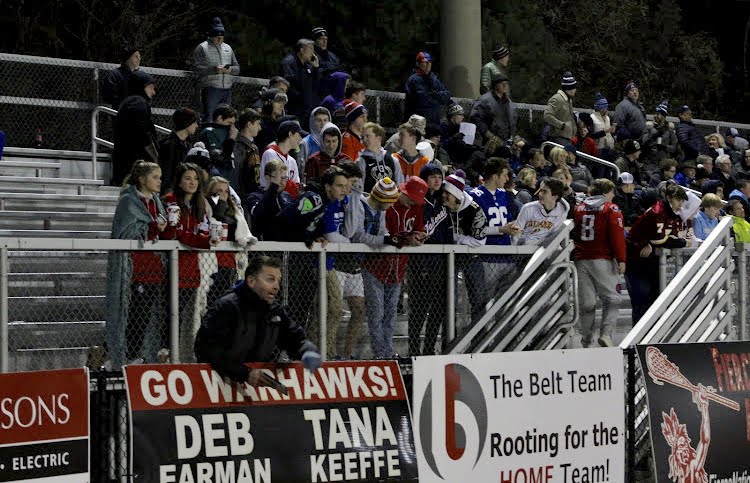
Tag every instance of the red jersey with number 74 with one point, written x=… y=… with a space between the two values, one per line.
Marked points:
x=599 y=230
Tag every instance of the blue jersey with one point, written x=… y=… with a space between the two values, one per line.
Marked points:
x=333 y=221
x=497 y=209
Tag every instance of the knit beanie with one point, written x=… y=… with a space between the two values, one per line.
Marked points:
x=184 y=117
x=217 y=28
x=568 y=82
x=455 y=185
x=198 y=154
x=630 y=85
x=600 y=102
x=353 y=110
x=663 y=108
x=319 y=32
x=500 y=52
x=385 y=191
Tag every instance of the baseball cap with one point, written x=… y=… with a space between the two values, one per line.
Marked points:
x=424 y=57
x=288 y=127
x=626 y=178
x=415 y=189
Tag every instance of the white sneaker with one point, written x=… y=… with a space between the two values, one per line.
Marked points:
x=606 y=341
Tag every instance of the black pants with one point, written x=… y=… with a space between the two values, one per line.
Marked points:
x=427 y=295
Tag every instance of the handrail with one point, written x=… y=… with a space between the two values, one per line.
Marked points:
x=96 y=140
x=587 y=156
x=541 y=254
x=718 y=238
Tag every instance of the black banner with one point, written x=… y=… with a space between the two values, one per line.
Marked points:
x=40 y=460
x=698 y=399
x=188 y=425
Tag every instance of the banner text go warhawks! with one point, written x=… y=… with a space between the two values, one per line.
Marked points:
x=347 y=421
x=542 y=416
x=44 y=426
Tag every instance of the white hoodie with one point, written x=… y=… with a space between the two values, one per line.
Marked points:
x=538 y=224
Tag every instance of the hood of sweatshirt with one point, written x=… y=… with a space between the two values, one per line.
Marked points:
x=326 y=127
x=595 y=202
x=337 y=82
x=465 y=202
x=314 y=131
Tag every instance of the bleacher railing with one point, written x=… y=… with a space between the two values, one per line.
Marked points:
x=54 y=302
x=703 y=299
x=57 y=96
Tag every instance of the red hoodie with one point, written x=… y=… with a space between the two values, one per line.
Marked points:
x=190 y=232
x=399 y=219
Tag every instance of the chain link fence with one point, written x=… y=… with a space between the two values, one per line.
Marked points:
x=47 y=102
x=104 y=306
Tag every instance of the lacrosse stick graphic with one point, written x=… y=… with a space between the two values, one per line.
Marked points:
x=662 y=370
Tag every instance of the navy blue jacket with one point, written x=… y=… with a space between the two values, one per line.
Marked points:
x=426 y=96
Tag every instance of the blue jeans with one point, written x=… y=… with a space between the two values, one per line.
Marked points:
x=643 y=287
x=382 y=303
x=212 y=97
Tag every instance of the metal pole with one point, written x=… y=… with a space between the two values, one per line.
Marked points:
x=322 y=303
x=450 y=306
x=377 y=108
x=662 y=270
x=94 y=122
x=4 y=367
x=174 y=306
x=630 y=351
x=742 y=290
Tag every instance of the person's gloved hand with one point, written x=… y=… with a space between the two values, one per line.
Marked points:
x=394 y=240
x=311 y=360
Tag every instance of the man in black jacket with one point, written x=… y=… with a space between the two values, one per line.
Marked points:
x=135 y=134
x=300 y=68
x=115 y=82
x=249 y=325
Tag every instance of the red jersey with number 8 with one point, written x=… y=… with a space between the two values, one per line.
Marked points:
x=599 y=230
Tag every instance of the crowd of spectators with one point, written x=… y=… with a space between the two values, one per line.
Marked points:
x=305 y=164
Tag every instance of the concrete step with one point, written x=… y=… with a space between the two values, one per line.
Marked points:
x=49 y=264
x=63 y=308
x=58 y=202
x=11 y=166
x=29 y=184
x=104 y=234
x=52 y=220
x=51 y=284
x=40 y=336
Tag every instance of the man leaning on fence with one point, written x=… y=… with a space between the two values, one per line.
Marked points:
x=248 y=324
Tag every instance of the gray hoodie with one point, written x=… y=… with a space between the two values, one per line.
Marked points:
x=313 y=142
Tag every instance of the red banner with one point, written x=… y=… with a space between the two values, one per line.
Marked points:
x=44 y=426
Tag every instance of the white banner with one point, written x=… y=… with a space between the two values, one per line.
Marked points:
x=523 y=417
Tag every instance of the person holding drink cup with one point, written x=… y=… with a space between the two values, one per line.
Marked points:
x=191 y=229
x=227 y=223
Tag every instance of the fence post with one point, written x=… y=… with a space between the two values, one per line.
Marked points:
x=377 y=109
x=742 y=291
x=450 y=330
x=662 y=270
x=323 y=304
x=4 y=367
x=174 y=306
x=94 y=134
x=630 y=351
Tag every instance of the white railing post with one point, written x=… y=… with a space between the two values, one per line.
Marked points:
x=742 y=291
x=323 y=304
x=94 y=135
x=450 y=305
x=4 y=366
x=174 y=306
x=663 y=270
